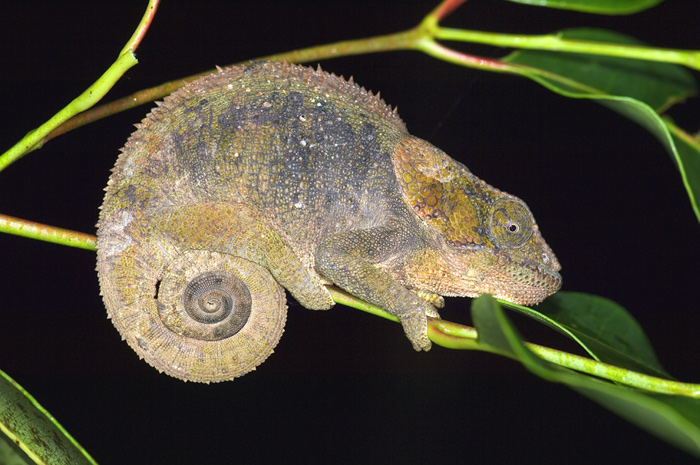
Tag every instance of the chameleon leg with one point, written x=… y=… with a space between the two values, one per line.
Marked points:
x=238 y=230
x=349 y=260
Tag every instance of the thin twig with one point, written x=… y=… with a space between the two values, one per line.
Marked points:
x=35 y=139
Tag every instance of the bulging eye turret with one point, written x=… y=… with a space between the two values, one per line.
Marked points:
x=510 y=223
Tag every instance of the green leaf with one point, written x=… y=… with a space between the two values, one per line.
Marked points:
x=674 y=419
x=605 y=329
x=688 y=150
x=637 y=91
x=11 y=454
x=659 y=85
x=30 y=427
x=603 y=7
x=489 y=329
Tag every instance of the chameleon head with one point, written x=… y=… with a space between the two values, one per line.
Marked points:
x=519 y=265
x=488 y=241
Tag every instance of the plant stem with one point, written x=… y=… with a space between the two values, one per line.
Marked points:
x=43 y=232
x=397 y=41
x=35 y=139
x=444 y=333
x=555 y=42
x=455 y=336
x=421 y=38
x=615 y=373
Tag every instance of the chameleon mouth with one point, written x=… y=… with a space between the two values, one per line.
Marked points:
x=524 y=285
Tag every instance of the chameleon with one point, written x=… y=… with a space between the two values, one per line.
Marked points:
x=272 y=176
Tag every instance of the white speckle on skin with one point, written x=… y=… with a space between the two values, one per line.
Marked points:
x=123 y=219
x=121 y=240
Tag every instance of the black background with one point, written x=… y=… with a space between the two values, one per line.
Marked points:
x=343 y=386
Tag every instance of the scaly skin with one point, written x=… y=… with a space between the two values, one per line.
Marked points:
x=316 y=180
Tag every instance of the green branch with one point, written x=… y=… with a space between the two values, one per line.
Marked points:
x=46 y=233
x=556 y=43
x=35 y=139
x=423 y=38
x=444 y=333
x=455 y=336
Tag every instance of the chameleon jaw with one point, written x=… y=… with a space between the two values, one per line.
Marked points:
x=523 y=285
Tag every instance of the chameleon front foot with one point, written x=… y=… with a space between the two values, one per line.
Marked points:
x=415 y=325
x=416 y=329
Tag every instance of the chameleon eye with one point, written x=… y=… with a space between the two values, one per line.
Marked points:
x=510 y=223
